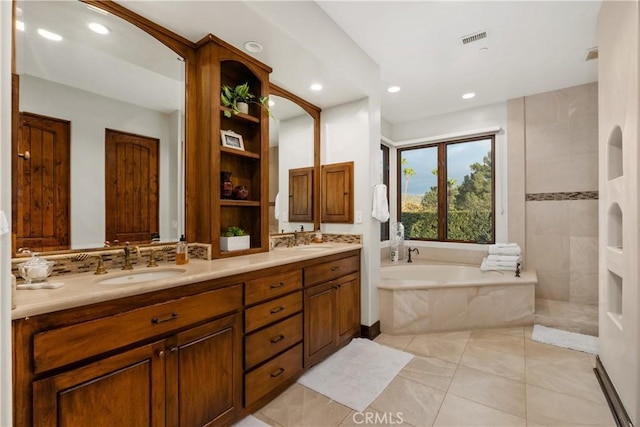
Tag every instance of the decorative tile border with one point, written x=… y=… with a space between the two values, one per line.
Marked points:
x=576 y=195
x=306 y=237
x=84 y=262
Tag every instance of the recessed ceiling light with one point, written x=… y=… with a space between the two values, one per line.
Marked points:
x=49 y=35
x=253 y=47
x=316 y=87
x=98 y=28
x=97 y=10
x=271 y=103
x=393 y=89
x=468 y=95
x=19 y=25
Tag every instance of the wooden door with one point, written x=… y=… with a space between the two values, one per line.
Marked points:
x=301 y=194
x=43 y=183
x=204 y=374
x=337 y=193
x=319 y=323
x=132 y=186
x=123 y=390
x=348 y=308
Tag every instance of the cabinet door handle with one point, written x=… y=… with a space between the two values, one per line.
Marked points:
x=337 y=286
x=277 y=339
x=160 y=354
x=277 y=285
x=173 y=349
x=277 y=373
x=157 y=320
x=277 y=310
x=334 y=268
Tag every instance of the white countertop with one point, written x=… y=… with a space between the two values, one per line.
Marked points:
x=83 y=289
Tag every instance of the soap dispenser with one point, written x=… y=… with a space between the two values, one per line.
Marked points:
x=182 y=251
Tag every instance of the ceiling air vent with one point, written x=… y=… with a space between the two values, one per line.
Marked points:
x=591 y=54
x=474 y=37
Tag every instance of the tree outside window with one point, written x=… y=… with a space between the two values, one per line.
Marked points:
x=447 y=191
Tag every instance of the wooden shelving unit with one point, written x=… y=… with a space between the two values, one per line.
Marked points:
x=221 y=64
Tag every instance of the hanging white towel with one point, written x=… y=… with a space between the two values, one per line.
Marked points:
x=4 y=225
x=276 y=213
x=380 y=203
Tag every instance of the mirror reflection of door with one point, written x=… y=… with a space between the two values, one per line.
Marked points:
x=42 y=179
x=301 y=194
x=132 y=187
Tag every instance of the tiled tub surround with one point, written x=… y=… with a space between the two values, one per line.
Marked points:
x=473 y=300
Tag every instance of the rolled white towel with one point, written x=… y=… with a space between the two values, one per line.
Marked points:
x=507 y=258
x=506 y=245
x=512 y=264
x=493 y=250
x=485 y=267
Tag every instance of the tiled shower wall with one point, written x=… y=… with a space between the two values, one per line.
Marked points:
x=560 y=130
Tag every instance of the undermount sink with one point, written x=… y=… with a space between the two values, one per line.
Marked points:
x=142 y=276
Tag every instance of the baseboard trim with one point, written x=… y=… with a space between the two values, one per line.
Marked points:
x=370 y=332
x=613 y=399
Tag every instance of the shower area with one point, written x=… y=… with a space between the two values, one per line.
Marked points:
x=553 y=201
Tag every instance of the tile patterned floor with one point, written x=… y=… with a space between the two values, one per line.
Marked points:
x=493 y=377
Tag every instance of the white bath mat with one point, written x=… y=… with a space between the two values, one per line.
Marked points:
x=250 y=421
x=560 y=338
x=357 y=374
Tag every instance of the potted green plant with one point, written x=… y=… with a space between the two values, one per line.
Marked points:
x=234 y=239
x=238 y=98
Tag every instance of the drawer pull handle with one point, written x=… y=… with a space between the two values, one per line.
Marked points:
x=277 y=373
x=277 y=339
x=277 y=310
x=278 y=285
x=156 y=320
x=334 y=268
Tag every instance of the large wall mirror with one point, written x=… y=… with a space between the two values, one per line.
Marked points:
x=294 y=148
x=101 y=127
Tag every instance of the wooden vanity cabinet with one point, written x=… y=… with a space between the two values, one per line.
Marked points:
x=167 y=373
x=332 y=305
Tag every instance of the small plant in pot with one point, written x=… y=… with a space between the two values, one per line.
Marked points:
x=238 y=99
x=234 y=239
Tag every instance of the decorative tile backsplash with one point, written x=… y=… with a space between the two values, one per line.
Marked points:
x=573 y=195
x=306 y=237
x=84 y=262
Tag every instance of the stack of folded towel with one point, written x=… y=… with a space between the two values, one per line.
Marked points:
x=502 y=256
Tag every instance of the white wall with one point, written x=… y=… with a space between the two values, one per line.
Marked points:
x=619 y=246
x=451 y=126
x=351 y=132
x=5 y=206
x=89 y=115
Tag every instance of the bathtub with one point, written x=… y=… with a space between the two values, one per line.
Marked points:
x=420 y=298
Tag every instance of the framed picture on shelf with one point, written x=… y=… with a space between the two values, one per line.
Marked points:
x=231 y=139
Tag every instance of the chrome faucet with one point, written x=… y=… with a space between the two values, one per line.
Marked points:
x=412 y=250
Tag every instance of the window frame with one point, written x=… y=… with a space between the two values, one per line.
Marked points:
x=442 y=185
x=384 y=226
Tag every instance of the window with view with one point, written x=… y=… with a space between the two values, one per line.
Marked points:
x=446 y=191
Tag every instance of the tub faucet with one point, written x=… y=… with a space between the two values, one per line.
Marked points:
x=518 y=270
x=412 y=250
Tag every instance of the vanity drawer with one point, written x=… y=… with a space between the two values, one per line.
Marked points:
x=272 y=374
x=271 y=286
x=59 y=347
x=272 y=311
x=330 y=270
x=272 y=340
